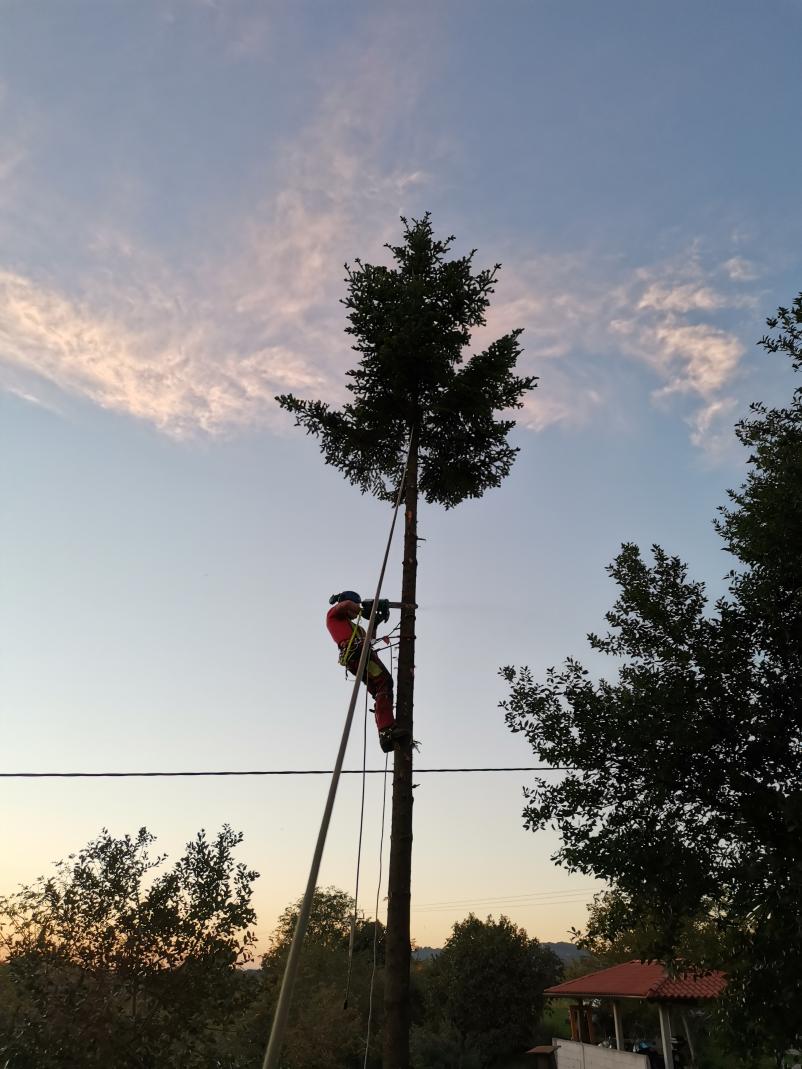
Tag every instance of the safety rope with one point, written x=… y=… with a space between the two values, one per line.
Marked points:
x=273 y=1052
x=352 y=936
x=376 y=914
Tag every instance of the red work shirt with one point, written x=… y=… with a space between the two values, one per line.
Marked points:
x=341 y=626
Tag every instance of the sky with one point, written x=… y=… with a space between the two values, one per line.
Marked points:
x=181 y=183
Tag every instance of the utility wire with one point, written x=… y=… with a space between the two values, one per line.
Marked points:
x=271 y=772
x=514 y=899
x=578 y=898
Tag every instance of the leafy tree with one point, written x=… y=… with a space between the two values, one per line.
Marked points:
x=609 y=941
x=683 y=789
x=329 y=925
x=415 y=388
x=114 y=962
x=486 y=986
x=321 y=1032
x=442 y=1048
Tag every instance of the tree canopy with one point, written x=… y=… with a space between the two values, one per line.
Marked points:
x=425 y=411
x=323 y=1033
x=115 y=960
x=486 y=987
x=411 y=325
x=683 y=789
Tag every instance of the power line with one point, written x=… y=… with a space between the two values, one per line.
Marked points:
x=577 y=898
x=270 y=772
x=449 y=902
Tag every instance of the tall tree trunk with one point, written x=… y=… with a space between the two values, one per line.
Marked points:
x=397 y=943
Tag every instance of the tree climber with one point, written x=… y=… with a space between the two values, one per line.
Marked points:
x=346 y=607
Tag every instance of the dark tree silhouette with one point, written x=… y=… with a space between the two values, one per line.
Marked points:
x=117 y=960
x=415 y=387
x=684 y=790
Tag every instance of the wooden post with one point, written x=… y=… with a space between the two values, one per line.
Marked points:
x=583 y=1024
x=573 y=1021
x=399 y=881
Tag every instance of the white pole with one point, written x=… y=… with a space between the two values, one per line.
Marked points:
x=688 y=1038
x=582 y=1026
x=665 y=1034
x=619 y=1031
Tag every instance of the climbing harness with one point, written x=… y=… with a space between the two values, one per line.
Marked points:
x=273 y=1052
x=355 y=630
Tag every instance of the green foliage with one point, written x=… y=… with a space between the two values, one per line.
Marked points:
x=321 y=1032
x=486 y=987
x=113 y=962
x=683 y=790
x=329 y=925
x=610 y=939
x=442 y=1048
x=411 y=324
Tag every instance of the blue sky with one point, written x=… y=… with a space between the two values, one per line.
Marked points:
x=181 y=183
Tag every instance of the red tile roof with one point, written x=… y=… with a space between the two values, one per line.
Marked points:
x=641 y=979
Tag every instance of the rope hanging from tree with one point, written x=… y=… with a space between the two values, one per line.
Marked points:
x=273 y=1052
x=352 y=936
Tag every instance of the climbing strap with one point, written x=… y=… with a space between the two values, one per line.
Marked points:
x=355 y=629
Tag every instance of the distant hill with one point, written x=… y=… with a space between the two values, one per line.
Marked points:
x=567 y=952
x=424 y=953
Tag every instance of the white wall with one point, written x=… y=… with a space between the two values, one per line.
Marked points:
x=569 y=1056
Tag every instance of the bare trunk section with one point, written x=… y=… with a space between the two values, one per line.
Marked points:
x=397 y=942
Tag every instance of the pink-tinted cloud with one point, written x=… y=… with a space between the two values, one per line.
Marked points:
x=207 y=347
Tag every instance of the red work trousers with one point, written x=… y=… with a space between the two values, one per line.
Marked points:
x=380 y=687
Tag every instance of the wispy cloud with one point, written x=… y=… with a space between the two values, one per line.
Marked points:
x=204 y=347
x=682 y=297
x=195 y=356
x=207 y=349
x=160 y=371
x=583 y=314
x=740 y=269
x=668 y=324
x=696 y=357
x=711 y=428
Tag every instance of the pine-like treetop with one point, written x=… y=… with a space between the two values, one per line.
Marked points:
x=411 y=324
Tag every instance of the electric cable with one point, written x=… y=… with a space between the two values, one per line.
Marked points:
x=450 y=902
x=273 y=772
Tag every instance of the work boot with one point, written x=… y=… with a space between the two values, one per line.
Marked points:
x=388 y=737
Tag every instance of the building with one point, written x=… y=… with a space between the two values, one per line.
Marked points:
x=645 y=981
